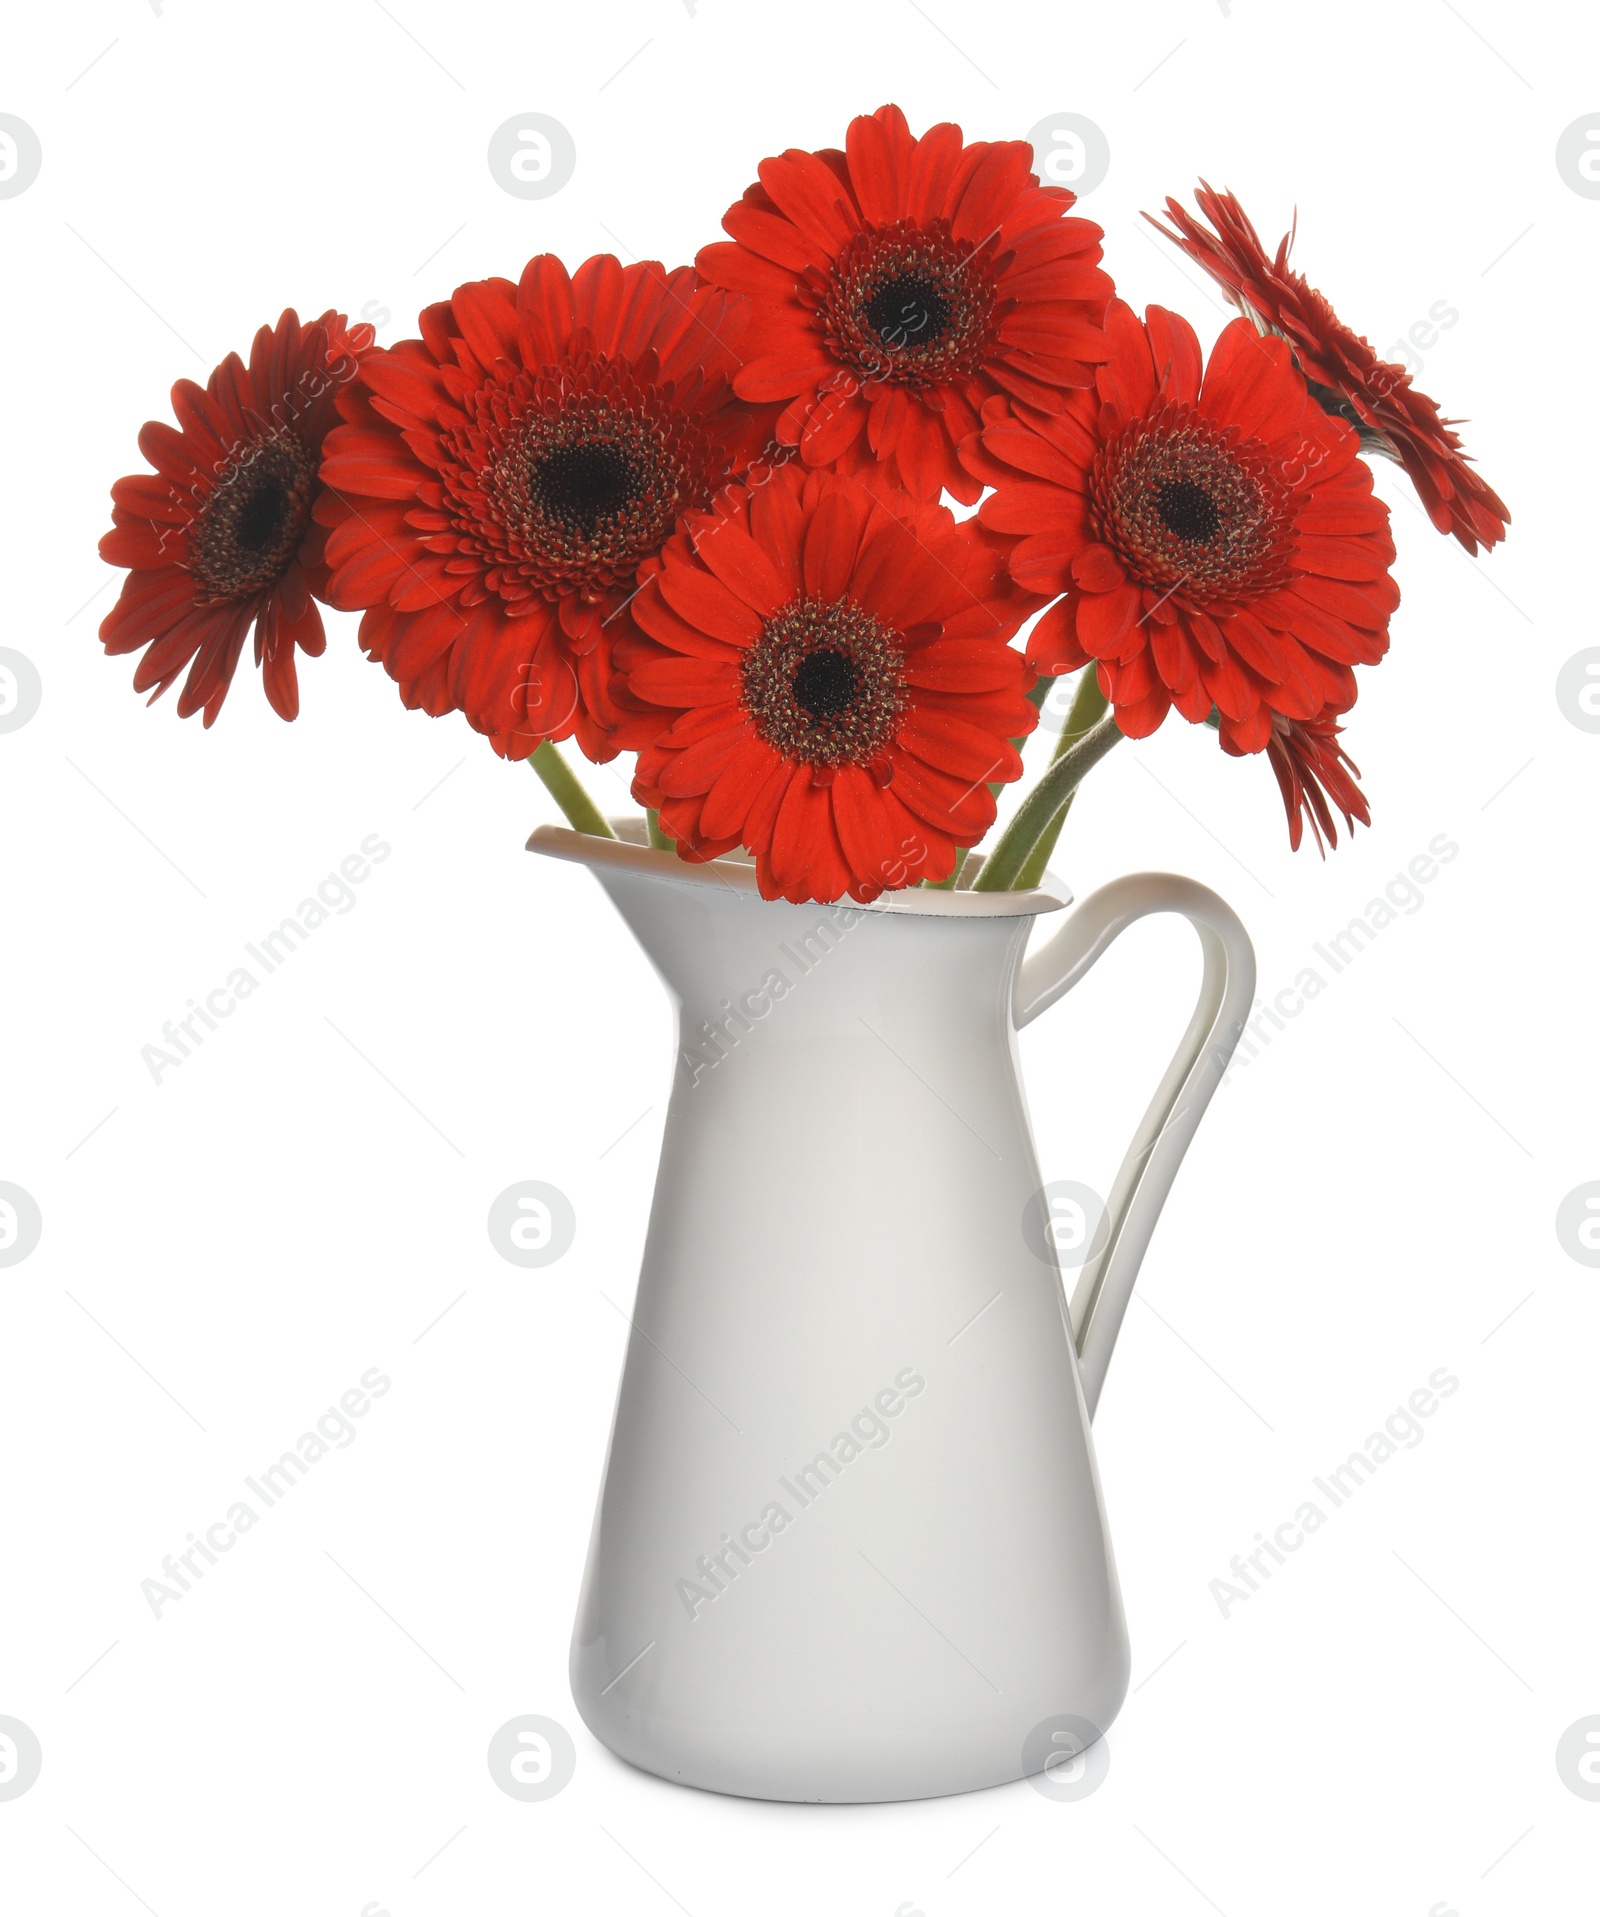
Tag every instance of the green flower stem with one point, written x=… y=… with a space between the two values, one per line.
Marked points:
x=658 y=839
x=1088 y=702
x=564 y=786
x=1002 y=870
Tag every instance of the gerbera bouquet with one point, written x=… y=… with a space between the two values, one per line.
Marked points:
x=697 y=515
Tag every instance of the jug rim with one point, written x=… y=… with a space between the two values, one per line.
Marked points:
x=630 y=851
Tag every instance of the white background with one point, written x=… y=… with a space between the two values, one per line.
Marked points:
x=1372 y=1198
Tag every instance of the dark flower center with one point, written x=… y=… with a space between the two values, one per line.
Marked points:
x=826 y=683
x=908 y=310
x=1188 y=506
x=262 y=517
x=250 y=526
x=581 y=485
x=823 y=683
x=1187 y=509
x=907 y=304
x=569 y=476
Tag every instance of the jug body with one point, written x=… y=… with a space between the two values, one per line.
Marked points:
x=850 y=1542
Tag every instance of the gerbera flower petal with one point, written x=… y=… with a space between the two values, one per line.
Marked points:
x=832 y=539
x=942 y=272
x=412 y=641
x=1026 y=446
x=833 y=426
x=1097 y=569
x=1053 y=646
x=1342 y=558
x=734 y=557
x=1128 y=380
x=1105 y=618
x=677 y=681
x=652 y=615
x=1251 y=384
x=962 y=807
x=1217 y=541
x=960 y=665
x=222 y=539
x=862 y=821
x=1311 y=768
x=736 y=788
x=212 y=672
x=778 y=528
x=843 y=694
x=545 y=314
x=701 y=599
x=1043 y=562
x=138 y=544
x=697 y=767
x=542 y=440
x=807 y=194
x=1256 y=645
x=1343 y=367
x=785 y=854
x=279 y=679
x=779 y=376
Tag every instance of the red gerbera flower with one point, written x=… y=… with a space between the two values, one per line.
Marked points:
x=901 y=283
x=1371 y=392
x=1217 y=540
x=834 y=686
x=1312 y=767
x=220 y=538
x=501 y=479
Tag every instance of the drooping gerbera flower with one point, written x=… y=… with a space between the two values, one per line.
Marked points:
x=501 y=479
x=220 y=537
x=833 y=684
x=1346 y=375
x=901 y=283
x=1216 y=539
x=1311 y=768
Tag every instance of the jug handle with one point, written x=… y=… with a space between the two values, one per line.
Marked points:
x=1227 y=992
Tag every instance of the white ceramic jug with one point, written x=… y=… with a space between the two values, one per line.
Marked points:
x=850 y=1543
